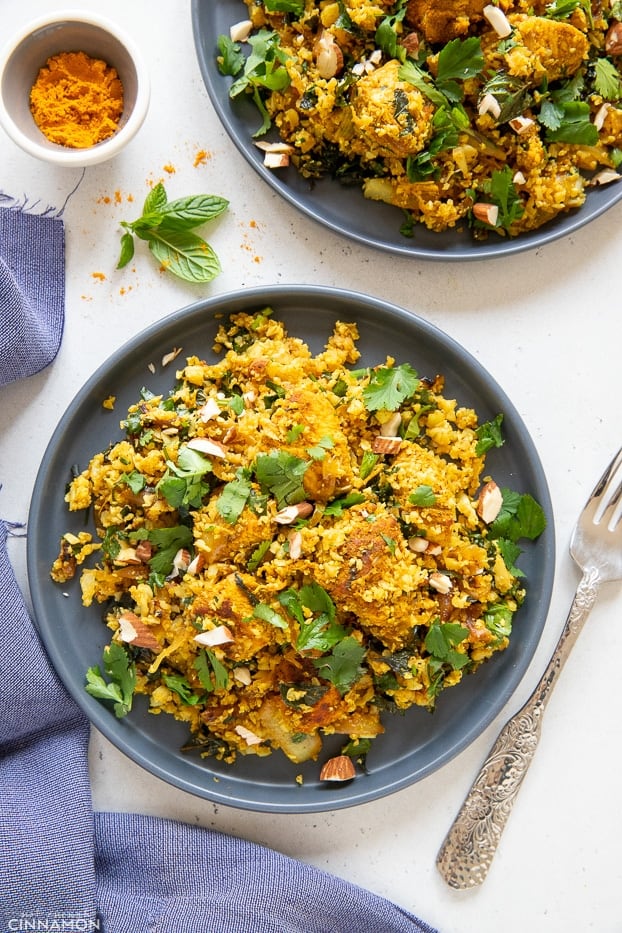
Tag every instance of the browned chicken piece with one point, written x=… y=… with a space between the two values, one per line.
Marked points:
x=546 y=48
x=439 y=21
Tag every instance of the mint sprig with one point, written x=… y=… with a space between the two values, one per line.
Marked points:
x=167 y=227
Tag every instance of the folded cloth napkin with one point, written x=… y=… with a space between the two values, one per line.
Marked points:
x=32 y=292
x=62 y=866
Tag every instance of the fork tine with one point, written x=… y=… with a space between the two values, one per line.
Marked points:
x=602 y=491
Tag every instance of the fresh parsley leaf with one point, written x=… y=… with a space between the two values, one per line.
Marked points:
x=489 y=435
x=386 y=37
x=122 y=673
x=441 y=642
x=231 y=60
x=607 y=79
x=135 y=480
x=498 y=620
x=342 y=667
x=182 y=688
x=263 y=68
x=575 y=125
x=388 y=387
x=520 y=517
x=167 y=542
x=281 y=474
x=458 y=60
x=423 y=495
x=233 y=498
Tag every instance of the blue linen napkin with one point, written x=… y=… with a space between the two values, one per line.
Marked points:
x=62 y=866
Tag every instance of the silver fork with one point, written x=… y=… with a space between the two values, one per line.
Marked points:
x=596 y=545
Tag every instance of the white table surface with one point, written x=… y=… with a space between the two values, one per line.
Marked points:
x=545 y=323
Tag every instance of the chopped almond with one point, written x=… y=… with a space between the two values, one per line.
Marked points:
x=489 y=502
x=134 y=631
x=386 y=445
x=340 y=768
x=206 y=446
x=221 y=635
x=290 y=513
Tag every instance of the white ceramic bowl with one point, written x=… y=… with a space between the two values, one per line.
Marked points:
x=70 y=31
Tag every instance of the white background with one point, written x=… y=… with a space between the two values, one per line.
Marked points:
x=545 y=323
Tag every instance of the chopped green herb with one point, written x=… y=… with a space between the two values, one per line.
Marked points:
x=119 y=690
x=390 y=386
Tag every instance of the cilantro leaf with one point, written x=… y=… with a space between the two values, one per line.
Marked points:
x=122 y=673
x=498 y=620
x=233 y=498
x=338 y=506
x=183 y=483
x=182 y=688
x=441 y=642
x=263 y=68
x=423 y=495
x=386 y=34
x=520 y=517
x=390 y=386
x=342 y=667
x=168 y=542
x=607 y=79
x=459 y=60
x=231 y=60
x=575 y=126
x=281 y=474
x=503 y=193
x=285 y=6
x=489 y=435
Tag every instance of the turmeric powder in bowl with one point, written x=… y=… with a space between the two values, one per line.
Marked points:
x=77 y=101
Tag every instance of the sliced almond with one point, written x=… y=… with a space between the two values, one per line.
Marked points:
x=206 y=446
x=240 y=32
x=386 y=445
x=391 y=427
x=601 y=114
x=169 y=357
x=328 y=56
x=418 y=544
x=489 y=502
x=519 y=178
x=489 y=104
x=605 y=177
x=144 y=551
x=291 y=513
x=498 y=20
x=249 y=737
x=242 y=674
x=521 y=125
x=211 y=409
x=134 y=631
x=294 y=539
x=487 y=213
x=440 y=582
x=127 y=555
x=196 y=564
x=221 y=635
x=340 y=768
x=181 y=561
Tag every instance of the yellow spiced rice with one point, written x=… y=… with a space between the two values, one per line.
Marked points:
x=467 y=115
x=287 y=544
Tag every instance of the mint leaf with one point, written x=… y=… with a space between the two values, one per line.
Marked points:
x=184 y=254
x=390 y=386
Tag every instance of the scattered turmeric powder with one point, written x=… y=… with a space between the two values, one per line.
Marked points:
x=76 y=100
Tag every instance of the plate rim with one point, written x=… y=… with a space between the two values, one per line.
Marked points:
x=117 y=731
x=561 y=226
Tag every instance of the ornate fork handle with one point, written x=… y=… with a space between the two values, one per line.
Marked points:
x=469 y=847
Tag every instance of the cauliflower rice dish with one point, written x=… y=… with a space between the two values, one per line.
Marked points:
x=287 y=546
x=496 y=117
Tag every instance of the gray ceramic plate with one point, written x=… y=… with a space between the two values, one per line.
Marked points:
x=345 y=210
x=415 y=744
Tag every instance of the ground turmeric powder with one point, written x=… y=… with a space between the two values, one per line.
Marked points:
x=76 y=100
